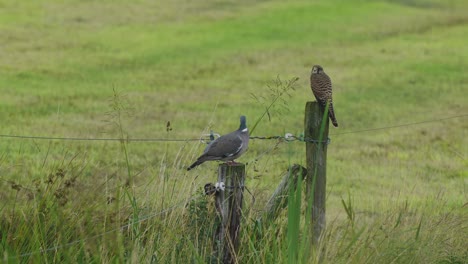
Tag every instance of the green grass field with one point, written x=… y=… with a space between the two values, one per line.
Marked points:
x=113 y=69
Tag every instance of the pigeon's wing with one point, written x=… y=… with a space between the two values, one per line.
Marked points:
x=224 y=146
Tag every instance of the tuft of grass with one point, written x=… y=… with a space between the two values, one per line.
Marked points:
x=350 y=213
x=278 y=90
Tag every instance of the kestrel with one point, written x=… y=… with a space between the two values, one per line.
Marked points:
x=322 y=88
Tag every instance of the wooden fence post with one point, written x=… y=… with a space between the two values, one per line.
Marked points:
x=316 y=158
x=229 y=208
x=279 y=199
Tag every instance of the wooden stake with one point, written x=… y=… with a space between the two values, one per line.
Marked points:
x=316 y=158
x=279 y=199
x=229 y=207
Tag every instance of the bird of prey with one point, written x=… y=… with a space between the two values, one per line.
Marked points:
x=227 y=147
x=322 y=88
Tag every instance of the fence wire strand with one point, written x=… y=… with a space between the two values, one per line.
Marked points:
x=292 y=137
x=401 y=125
x=100 y=139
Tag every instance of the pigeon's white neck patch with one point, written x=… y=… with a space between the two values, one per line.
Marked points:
x=245 y=130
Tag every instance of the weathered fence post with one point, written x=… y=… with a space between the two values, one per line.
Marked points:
x=316 y=158
x=279 y=199
x=229 y=208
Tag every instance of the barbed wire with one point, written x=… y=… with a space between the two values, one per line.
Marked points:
x=78 y=241
x=291 y=137
x=206 y=138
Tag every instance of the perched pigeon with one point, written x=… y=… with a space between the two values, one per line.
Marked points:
x=227 y=147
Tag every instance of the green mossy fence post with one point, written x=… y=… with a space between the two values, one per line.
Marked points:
x=316 y=158
x=229 y=208
x=279 y=199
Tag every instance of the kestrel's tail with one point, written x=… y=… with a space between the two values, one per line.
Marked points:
x=331 y=114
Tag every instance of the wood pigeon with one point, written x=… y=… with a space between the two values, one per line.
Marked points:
x=227 y=147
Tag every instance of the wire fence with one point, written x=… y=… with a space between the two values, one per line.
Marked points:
x=205 y=138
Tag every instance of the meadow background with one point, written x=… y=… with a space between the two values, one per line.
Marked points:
x=115 y=69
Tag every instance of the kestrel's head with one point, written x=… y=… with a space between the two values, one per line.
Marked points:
x=317 y=69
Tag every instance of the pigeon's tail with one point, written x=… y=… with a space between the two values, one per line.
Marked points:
x=196 y=163
x=331 y=114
